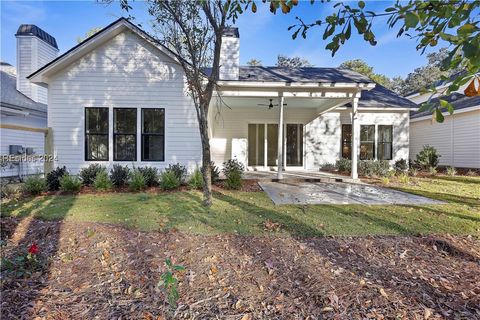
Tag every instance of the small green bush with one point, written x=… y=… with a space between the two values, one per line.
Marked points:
x=234 y=181
x=53 y=178
x=35 y=185
x=401 y=165
x=385 y=180
x=150 y=175
x=413 y=172
x=102 y=181
x=179 y=171
x=451 y=171
x=404 y=178
x=70 y=184
x=427 y=157
x=169 y=180
x=196 y=180
x=344 y=165
x=119 y=175
x=89 y=173
x=233 y=171
x=432 y=171
x=136 y=180
x=471 y=173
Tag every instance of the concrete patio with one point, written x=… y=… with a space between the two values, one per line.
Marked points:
x=299 y=175
x=301 y=192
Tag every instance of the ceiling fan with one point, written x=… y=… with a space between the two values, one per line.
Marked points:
x=270 y=105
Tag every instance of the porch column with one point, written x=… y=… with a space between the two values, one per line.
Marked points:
x=355 y=136
x=280 y=138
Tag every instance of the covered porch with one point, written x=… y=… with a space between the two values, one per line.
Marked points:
x=263 y=125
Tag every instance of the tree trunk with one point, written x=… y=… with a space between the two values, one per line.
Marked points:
x=206 y=160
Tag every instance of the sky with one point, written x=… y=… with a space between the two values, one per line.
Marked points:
x=262 y=35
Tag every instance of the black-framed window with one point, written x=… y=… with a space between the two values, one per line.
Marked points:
x=153 y=134
x=96 y=134
x=124 y=134
x=367 y=142
x=346 y=141
x=385 y=143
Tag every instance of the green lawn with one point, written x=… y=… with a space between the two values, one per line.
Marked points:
x=246 y=212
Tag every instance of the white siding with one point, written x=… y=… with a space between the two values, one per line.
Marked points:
x=124 y=72
x=322 y=134
x=457 y=139
x=34 y=140
x=229 y=58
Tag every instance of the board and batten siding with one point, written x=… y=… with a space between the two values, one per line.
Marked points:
x=125 y=72
x=457 y=139
x=322 y=133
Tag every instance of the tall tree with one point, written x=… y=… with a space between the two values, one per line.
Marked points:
x=254 y=62
x=362 y=67
x=292 y=62
x=89 y=33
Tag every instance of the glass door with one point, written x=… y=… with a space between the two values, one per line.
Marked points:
x=256 y=144
x=294 y=145
x=272 y=144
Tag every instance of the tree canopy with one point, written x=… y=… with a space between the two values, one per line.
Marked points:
x=89 y=33
x=292 y=62
x=254 y=62
x=362 y=67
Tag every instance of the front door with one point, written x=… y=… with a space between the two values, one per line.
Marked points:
x=263 y=145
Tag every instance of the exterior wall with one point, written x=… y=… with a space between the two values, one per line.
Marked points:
x=35 y=140
x=457 y=139
x=322 y=134
x=32 y=54
x=124 y=72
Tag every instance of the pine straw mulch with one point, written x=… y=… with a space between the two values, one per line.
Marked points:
x=111 y=273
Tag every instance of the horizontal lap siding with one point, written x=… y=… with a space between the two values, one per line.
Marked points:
x=124 y=72
x=466 y=141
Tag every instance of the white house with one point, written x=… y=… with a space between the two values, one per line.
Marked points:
x=120 y=96
x=457 y=139
x=23 y=105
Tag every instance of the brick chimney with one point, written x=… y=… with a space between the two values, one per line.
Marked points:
x=230 y=54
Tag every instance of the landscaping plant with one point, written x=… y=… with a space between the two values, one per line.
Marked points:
x=404 y=178
x=401 y=165
x=150 y=175
x=233 y=171
x=25 y=264
x=451 y=171
x=89 y=173
x=136 y=180
x=413 y=172
x=427 y=157
x=70 y=184
x=432 y=171
x=169 y=180
x=102 y=181
x=119 y=175
x=343 y=165
x=179 y=171
x=53 y=178
x=196 y=180
x=169 y=283
x=34 y=185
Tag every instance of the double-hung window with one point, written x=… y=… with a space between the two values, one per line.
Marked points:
x=385 y=139
x=153 y=134
x=367 y=142
x=96 y=134
x=124 y=134
x=347 y=141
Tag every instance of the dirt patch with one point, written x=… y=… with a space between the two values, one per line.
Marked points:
x=110 y=272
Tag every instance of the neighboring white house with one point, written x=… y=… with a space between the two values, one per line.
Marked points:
x=23 y=105
x=120 y=97
x=457 y=139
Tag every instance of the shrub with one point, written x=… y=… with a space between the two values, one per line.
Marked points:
x=150 y=175
x=233 y=171
x=432 y=171
x=70 y=183
x=179 y=171
x=119 y=175
x=427 y=157
x=89 y=173
x=35 y=185
x=385 y=180
x=413 y=172
x=401 y=165
x=451 y=171
x=471 y=173
x=371 y=168
x=136 y=181
x=53 y=178
x=169 y=180
x=196 y=180
x=404 y=178
x=344 y=165
x=102 y=181
x=215 y=172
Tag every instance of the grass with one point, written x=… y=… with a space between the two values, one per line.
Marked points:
x=246 y=212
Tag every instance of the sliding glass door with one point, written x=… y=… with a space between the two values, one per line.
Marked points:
x=294 y=145
x=256 y=144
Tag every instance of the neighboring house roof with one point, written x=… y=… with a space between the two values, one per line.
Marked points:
x=33 y=30
x=437 y=84
x=10 y=96
x=458 y=100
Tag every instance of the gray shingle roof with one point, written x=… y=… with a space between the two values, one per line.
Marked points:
x=10 y=96
x=33 y=30
x=458 y=100
x=381 y=97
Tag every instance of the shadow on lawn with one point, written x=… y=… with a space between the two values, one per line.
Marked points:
x=442 y=196
x=460 y=179
x=25 y=231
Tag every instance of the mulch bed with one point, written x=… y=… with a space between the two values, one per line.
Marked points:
x=108 y=272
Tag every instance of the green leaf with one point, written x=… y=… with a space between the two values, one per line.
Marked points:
x=466 y=29
x=439 y=116
x=168 y=262
x=447 y=105
x=348 y=32
x=254 y=7
x=361 y=4
x=427 y=106
x=391 y=9
x=178 y=267
x=411 y=19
